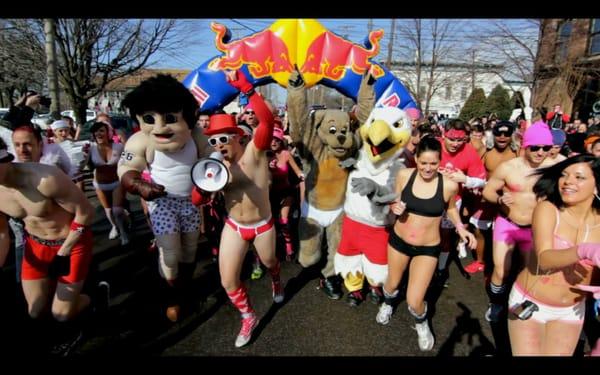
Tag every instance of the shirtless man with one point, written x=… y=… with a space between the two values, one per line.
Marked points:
x=516 y=203
x=246 y=202
x=484 y=212
x=58 y=248
x=168 y=145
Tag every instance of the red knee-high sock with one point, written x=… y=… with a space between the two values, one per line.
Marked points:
x=285 y=231
x=275 y=271
x=240 y=300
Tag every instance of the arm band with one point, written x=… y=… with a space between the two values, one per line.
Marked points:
x=76 y=227
x=474 y=182
x=264 y=132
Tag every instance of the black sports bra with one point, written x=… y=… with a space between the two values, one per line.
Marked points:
x=431 y=207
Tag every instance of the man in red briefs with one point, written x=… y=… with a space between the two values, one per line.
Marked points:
x=246 y=201
x=58 y=248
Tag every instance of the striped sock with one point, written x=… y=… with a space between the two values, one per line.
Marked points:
x=240 y=300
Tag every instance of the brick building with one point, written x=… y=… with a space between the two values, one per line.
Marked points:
x=567 y=67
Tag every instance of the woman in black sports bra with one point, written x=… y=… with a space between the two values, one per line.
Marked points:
x=425 y=194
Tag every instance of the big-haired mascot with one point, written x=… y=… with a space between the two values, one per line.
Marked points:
x=323 y=139
x=168 y=146
x=370 y=188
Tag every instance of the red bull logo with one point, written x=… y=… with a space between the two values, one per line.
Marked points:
x=264 y=53
x=332 y=61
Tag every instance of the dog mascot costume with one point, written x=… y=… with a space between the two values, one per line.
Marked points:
x=323 y=139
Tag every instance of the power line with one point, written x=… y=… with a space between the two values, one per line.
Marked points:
x=241 y=24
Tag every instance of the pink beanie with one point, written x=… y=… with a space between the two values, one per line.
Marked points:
x=413 y=113
x=538 y=134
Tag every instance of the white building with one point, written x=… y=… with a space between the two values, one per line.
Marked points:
x=453 y=83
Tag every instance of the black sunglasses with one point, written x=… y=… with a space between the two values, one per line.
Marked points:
x=506 y=133
x=249 y=112
x=537 y=148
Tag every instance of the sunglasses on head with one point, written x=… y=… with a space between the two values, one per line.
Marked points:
x=221 y=139
x=505 y=133
x=537 y=148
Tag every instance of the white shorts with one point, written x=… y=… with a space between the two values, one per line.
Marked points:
x=481 y=224
x=324 y=218
x=547 y=313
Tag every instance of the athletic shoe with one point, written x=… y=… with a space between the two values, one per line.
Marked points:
x=426 y=339
x=492 y=314
x=114 y=233
x=248 y=326
x=257 y=272
x=384 y=314
x=278 y=294
x=474 y=267
x=355 y=298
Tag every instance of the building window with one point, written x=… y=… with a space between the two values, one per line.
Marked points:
x=463 y=92
x=448 y=92
x=562 y=41
x=595 y=37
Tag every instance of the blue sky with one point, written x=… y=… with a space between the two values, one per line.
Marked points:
x=201 y=39
x=199 y=45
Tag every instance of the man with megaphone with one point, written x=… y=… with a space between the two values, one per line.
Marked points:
x=246 y=201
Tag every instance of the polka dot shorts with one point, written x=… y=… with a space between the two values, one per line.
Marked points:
x=173 y=215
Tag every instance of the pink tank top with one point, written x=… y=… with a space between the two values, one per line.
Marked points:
x=279 y=174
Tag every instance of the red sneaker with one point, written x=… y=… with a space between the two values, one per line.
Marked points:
x=475 y=267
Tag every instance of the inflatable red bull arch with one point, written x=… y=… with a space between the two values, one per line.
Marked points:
x=269 y=56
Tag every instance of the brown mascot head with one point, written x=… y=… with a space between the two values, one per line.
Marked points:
x=335 y=132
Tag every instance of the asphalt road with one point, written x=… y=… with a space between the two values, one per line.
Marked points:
x=307 y=323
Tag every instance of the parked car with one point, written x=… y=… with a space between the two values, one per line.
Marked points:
x=89 y=114
x=41 y=120
x=3 y=111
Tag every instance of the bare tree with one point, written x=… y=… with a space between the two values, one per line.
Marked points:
x=424 y=45
x=22 y=62
x=94 y=52
x=512 y=46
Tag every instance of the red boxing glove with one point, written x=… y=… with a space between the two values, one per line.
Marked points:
x=199 y=197
x=589 y=251
x=242 y=84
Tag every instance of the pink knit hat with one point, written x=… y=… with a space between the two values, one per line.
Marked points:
x=538 y=134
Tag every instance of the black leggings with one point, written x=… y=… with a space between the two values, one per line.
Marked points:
x=399 y=245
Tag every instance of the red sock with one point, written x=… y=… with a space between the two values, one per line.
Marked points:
x=240 y=300
x=285 y=231
x=274 y=272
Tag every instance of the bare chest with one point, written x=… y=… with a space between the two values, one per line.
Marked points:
x=22 y=204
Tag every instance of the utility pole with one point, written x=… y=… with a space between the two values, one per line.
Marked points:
x=391 y=44
x=472 y=70
x=50 y=32
x=345 y=36
x=370 y=25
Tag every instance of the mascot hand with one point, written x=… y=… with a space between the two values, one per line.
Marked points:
x=385 y=198
x=347 y=163
x=132 y=182
x=238 y=80
x=296 y=79
x=363 y=186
